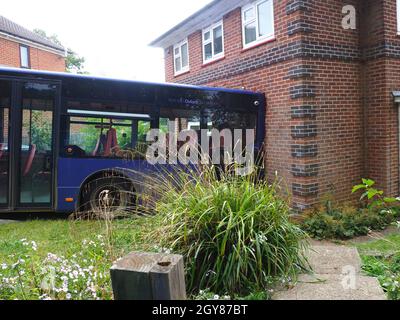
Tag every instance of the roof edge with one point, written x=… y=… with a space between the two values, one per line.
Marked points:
x=156 y=43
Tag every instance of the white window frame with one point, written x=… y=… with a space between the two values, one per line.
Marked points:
x=179 y=46
x=259 y=39
x=211 y=40
x=398 y=16
x=26 y=49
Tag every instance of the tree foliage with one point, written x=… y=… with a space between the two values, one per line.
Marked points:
x=73 y=62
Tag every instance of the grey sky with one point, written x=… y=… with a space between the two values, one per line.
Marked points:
x=111 y=35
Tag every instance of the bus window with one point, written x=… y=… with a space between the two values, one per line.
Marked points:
x=36 y=151
x=229 y=119
x=179 y=119
x=5 y=94
x=105 y=137
x=221 y=119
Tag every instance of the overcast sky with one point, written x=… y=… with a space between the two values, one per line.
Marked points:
x=111 y=34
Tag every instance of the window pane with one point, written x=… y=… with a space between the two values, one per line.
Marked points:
x=220 y=119
x=5 y=98
x=208 y=51
x=111 y=138
x=176 y=51
x=249 y=14
x=24 y=57
x=175 y=121
x=36 y=154
x=250 y=33
x=218 y=47
x=265 y=18
x=185 y=55
x=178 y=64
x=207 y=36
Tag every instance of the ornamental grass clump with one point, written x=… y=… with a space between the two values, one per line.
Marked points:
x=234 y=232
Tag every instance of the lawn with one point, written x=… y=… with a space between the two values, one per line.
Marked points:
x=381 y=259
x=80 y=255
x=73 y=257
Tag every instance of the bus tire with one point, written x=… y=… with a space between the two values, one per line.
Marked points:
x=108 y=194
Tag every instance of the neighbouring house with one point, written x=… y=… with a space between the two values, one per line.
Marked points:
x=22 y=48
x=332 y=112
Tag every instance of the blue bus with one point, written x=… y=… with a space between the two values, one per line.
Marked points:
x=64 y=137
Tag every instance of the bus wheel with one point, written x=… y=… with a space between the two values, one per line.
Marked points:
x=111 y=194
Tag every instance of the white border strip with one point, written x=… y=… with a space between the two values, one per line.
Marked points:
x=109 y=114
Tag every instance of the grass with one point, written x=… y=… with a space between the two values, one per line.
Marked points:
x=381 y=259
x=386 y=245
x=74 y=254
x=65 y=237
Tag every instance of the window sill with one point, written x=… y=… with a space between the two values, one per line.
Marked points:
x=206 y=64
x=176 y=75
x=258 y=44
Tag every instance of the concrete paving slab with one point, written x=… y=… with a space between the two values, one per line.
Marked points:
x=337 y=276
x=333 y=259
x=333 y=287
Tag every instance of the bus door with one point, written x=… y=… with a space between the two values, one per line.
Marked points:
x=5 y=106
x=34 y=139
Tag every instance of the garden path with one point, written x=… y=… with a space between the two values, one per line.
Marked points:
x=337 y=276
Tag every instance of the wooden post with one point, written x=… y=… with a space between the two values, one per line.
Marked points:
x=149 y=276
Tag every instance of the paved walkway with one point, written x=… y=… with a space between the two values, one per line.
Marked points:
x=337 y=276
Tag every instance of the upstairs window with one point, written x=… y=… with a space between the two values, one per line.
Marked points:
x=181 y=57
x=24 y=55
x=258 y=22
x=213 y=42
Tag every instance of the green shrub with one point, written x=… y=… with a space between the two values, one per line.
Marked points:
x=387 y=270
x=234 y=233
x=330 y=222
x=342 y=223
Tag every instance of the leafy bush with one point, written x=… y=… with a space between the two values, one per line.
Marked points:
x=387 y=270
x=345 y=222
x=330 y=222
x=234 y=233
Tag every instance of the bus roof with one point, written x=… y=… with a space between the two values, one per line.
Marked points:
x=63 y=75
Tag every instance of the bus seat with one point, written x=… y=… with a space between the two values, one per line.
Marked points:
x=111 y=142
x=29 y=161
x=101 y=144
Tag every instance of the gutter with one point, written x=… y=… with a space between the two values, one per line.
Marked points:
x=9 y=37
x=155 y=43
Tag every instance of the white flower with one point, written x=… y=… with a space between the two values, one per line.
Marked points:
x=216 y=297
x=68 y=296
x=34 y=245
x=3 y=266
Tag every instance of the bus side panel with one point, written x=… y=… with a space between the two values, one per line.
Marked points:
x=72 y=172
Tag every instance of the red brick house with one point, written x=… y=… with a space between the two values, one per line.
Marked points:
x=22 y=48
x=331 y=113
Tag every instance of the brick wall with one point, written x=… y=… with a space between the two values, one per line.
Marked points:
x=39 y=59
x=381 y=78
x=330 y=116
